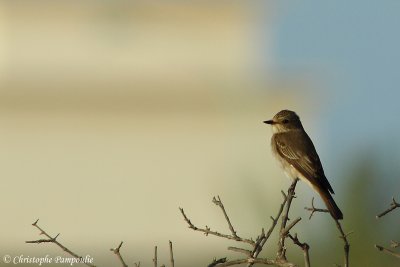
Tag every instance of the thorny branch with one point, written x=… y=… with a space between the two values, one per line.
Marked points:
x=257 y=246
x=304 y=246
x=262 y=239
x=207 y=230
x=54 y=240
x=346 y=246
x=313 y=209
x=394 y=244
x=115 y=250
x=285 y=218
x=219 y=203
x=343 y=235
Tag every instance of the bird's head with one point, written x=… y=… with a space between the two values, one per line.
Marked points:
x=285 y=120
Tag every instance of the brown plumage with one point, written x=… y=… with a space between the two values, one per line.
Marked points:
x=295 y=151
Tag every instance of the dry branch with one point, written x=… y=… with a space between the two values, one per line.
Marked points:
x=207 y=230
x=55 y=241
x=343 y=235
x=394 y=244
x=116 y=252
x=304 y=246
x=394 y=205
x=281 y=254
x=257 y=246
x=313 y=209
x=388 y=251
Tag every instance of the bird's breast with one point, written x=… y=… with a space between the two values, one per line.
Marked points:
x=288 y=169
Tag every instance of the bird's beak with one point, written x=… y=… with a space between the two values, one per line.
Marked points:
x=269 y=122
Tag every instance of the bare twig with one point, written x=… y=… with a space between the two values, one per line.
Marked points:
x=116 y=252
x=313 y=209
x=394 y=244
x=264 y=237
x=346 y=246
x=219 y=203
x=251 y=255
x=207 y=231
x=54 y=240
x=388 y=251
x=155 y=256
x=394 y=205
x=241 y=250
x=223 y=262
x=281 y=254
x=216 y=262
x=343 y=236
x=171 y=254
x=305 y=247
x=290 y=226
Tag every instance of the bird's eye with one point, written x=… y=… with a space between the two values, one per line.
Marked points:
x=285 y=121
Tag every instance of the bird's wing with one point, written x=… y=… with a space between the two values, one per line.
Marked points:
x=298 y=150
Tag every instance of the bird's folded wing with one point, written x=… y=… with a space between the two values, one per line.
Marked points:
x=298 y=150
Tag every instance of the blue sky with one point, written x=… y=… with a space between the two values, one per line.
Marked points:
x=356 y=46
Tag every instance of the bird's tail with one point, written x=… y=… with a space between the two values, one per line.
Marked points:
x=331 y=205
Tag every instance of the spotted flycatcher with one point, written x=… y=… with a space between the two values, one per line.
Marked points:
x=295 y=151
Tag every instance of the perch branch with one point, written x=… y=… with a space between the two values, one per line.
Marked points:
x=251 y=255
x=281 y=254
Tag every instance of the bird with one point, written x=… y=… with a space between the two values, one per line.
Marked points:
x=293 y=148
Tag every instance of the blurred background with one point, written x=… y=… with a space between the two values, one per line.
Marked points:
x=115 y=113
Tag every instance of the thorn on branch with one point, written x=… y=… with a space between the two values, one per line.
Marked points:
x=51 y=239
